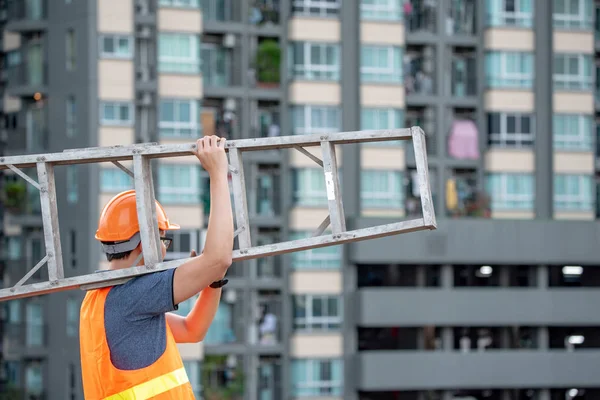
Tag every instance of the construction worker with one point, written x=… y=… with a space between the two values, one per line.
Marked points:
x=128 y=334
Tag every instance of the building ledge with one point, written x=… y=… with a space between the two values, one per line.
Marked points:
x=482 y=241
x=492 y=369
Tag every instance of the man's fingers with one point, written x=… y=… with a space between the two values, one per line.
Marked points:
x=222 y=143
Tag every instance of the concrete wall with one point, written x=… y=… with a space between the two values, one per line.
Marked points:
x=484 y=241
x=411 y=370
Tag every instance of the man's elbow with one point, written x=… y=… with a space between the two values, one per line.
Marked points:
x=225 y=261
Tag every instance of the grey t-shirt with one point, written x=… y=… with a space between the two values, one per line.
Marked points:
x=135 y=322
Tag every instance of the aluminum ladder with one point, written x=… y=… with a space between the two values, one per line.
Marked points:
x=142 y=154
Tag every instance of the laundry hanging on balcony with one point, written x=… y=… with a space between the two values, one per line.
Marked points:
x=463 y=140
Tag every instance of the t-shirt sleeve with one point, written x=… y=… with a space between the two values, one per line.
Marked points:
x=148 y=295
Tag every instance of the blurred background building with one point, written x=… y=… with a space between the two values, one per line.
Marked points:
x=500 y=303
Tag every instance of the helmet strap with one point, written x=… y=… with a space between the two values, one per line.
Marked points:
x=122 y=247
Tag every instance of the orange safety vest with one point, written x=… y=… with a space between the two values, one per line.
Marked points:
x=166 y=379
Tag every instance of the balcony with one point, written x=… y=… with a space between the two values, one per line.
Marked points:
x=419 y=75
x=265 y=208
x=25 y=340
x=413 y=370
x=269 y=378
x=264 y=73
x=421 y=22
x=463 y=77
x=26 y=16
x=423 y=116
x=461 y=20
x=463 y=198
x=27 y=79
x=217 y=67
x=223 y=377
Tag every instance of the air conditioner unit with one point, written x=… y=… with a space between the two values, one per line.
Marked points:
x=229 y=104
x=229 y=40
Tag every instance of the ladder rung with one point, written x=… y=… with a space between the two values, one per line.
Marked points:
x=50 y=220
x=332 y=185
x=238 y=186
x=420 y=150
x=146 y=209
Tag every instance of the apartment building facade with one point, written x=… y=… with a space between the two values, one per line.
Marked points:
x=490 y=306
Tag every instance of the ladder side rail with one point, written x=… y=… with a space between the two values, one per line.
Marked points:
x=238 y=186
x=332 y=186
x=420 y=150
x=104 y=154
x=50 y=221
x=112 y=277
x=146 y=210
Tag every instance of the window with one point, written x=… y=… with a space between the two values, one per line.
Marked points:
x=34 y=381
x=382 y=10
x=573 y=72
x=179 y=53
x=72 y=317
x=573 y=14
x=573 y=132
x=329 y=257
x=184 y=241
x=511 y=191
x=573 y=192
x=179 y=3
x=509 y=69
x=113 y=180
x=381 y=64
x=13 y=247
x=381 y=189
x=315 y=61
x=217 y=10
x=35 y=324
x=116 y=113
x=13 y=373
x=116 y=46
x=71 y=117
x=72 y=184
x=180 y=118
x=317 y=377
x=73 y=246
x=514 y=130
x=309 y=187
x=509 y=13
x=317 y=312
x=382 y=118
x=179 y=184
x=319 y=8
x=71 y=50
x=315 y=119
x=216 y=65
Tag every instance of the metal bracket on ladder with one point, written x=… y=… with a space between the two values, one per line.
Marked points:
x=141 y=155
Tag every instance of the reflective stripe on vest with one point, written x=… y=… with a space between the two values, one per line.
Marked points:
x=153 y=387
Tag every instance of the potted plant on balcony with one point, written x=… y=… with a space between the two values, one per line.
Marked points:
x=14 y=196
x=268 y=60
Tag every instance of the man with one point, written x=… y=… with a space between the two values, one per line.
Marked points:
x=127 y=334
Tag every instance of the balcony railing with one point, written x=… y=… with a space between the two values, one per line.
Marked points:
x=28 y=77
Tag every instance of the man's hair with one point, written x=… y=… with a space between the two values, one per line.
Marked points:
x=116 y=256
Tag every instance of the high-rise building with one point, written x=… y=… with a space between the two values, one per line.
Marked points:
x=497 y=303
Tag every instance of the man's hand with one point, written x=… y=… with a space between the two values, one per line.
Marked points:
x=210 y=150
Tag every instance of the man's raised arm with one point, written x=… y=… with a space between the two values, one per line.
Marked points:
x=193 y=276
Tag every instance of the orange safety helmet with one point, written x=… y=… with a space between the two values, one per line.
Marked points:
x=119 y=221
